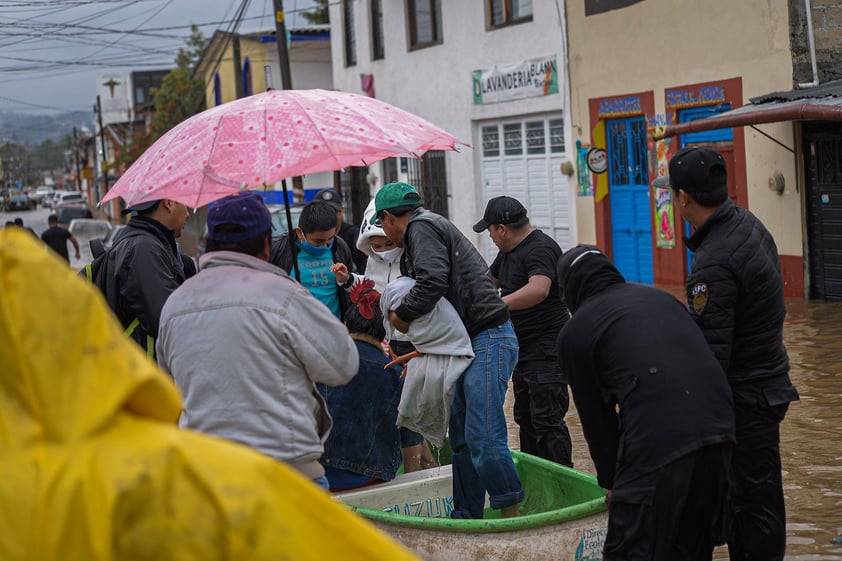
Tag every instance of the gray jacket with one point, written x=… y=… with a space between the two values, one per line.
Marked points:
x=246 y=345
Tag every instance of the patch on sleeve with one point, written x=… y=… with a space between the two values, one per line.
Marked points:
x=699 y=297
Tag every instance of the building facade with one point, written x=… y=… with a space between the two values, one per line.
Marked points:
x=490 y=72
x=705 y=80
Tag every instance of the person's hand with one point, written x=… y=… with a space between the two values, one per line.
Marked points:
x=340 y=271
x=78 y=256
x=608 y=497
x=397 y=322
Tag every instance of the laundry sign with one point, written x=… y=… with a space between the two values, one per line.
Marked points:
x=527 y=78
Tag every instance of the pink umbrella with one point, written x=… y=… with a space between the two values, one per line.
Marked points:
x=267 y=137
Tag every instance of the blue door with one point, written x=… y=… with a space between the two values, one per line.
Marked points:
x=628 y=185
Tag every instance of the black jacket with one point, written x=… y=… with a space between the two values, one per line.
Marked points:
x=281 y=256
x=349 y=234
x=142 y=270
x=444 y=263
x=646 y=386
x=735 y=294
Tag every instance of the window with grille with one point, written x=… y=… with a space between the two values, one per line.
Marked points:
x=527 y=138
x=500 y=13
x=377 y=49
x=429 y=176
x=350 y=38
x=424 y=23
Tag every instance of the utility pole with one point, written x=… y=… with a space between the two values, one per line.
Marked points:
x=238 y=66
x=286 y=80
x=283 y=52
x=78 y=163
x=98 y=110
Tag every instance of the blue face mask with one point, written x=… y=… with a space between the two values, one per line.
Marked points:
x=314 y=250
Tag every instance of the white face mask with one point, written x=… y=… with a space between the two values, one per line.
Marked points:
x=389 y=255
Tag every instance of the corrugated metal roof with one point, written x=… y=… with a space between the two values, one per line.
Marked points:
x=828 y=89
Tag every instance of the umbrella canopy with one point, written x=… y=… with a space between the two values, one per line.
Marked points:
x=267 y=137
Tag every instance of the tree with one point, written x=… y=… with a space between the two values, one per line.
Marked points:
x=180 y=96
x=319 y=15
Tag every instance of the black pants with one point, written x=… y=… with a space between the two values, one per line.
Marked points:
x=541 y=401
x=758 y=532
x=676 y=513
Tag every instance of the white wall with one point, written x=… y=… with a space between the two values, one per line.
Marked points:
x=435 y=82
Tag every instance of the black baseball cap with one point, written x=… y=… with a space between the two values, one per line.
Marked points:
x=690 y=170
x=501 y=210
x=331 y=197
x=140 y=207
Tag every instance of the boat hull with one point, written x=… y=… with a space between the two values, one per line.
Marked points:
x=563 y=516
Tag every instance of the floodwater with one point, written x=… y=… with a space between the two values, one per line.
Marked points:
x=811 y=434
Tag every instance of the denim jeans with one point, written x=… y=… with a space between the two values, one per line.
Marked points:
x=478 y=433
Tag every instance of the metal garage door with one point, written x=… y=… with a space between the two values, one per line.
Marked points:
x=522 y=159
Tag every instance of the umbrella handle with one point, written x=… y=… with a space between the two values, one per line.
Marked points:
x=292 y=247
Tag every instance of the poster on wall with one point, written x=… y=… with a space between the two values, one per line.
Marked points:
x=584 y=175
x=665 y=225
x=536 y=77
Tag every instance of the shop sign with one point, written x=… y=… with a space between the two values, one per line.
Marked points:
x=527 y=78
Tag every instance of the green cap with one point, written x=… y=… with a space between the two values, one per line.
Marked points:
x=393 y=195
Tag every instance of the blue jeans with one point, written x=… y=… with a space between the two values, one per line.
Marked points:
x=478 y=433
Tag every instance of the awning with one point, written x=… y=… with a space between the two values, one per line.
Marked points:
x=822 y=102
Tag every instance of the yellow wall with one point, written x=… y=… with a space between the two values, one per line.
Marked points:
x=257 y=53
x=659 y=44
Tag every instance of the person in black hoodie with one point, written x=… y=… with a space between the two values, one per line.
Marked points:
x=656 y=411
x=735 y=294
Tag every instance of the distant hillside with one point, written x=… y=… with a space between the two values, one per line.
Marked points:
x=32 y=129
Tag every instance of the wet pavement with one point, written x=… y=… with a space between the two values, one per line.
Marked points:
x=811 y=434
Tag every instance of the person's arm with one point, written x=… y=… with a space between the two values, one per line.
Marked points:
x=600 y=423
x=149 y=282
x=431 y=264
x=320 y=341
x=539 y=268
x=712 y=295
x=75 y=243
x=531 y=294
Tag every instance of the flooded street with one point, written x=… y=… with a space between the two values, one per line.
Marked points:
x=811 y=434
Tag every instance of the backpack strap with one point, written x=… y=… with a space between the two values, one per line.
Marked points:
x=150 y=341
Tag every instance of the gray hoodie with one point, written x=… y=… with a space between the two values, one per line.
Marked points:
x=246 y=345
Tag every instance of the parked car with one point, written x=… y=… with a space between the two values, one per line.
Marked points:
x=89 y=228
x=19 y=201
x=43 y=194
x=108 y=240
x=62 y=197
x=68 y=211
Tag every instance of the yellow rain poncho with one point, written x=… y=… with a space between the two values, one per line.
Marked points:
x=93 y=467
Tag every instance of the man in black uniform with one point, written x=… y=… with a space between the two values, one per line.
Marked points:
x=348 y=232
x=655 y=409
x=735 y=294
x=524 y=269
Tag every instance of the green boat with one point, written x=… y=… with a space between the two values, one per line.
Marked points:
x=563 y=516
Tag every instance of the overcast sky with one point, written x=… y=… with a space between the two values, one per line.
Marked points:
x=51 y=51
